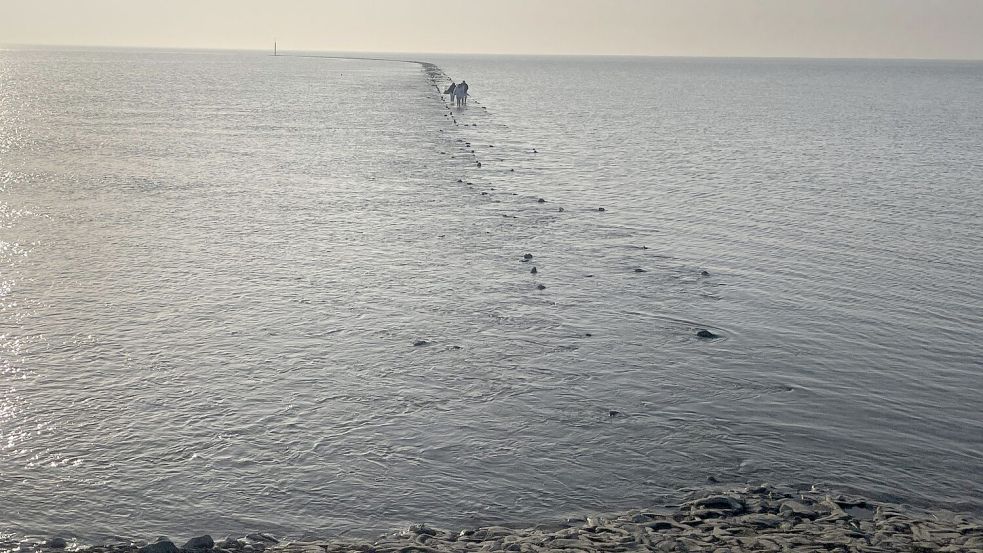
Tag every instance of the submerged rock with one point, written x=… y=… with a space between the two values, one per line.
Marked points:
x=57 y=543
x=704 y=273
x=540 y=286
x=527 y=256
x=417 y=343
x=704 y=333
x=533 y=270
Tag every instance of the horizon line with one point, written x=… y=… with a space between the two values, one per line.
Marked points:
x=459 y=54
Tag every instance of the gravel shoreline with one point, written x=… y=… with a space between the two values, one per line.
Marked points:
x=758 y=518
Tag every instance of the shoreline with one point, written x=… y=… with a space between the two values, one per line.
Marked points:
x=756 y=518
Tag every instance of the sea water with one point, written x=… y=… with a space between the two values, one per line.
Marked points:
x=241 y=292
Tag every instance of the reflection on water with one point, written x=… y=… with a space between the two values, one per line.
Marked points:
x=216 y=268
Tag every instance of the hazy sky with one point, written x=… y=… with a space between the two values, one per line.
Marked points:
x=811 y=28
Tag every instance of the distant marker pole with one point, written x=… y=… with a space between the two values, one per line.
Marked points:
x=274 y=47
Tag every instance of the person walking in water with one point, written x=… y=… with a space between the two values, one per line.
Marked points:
x=461 y=93
x=450 y=92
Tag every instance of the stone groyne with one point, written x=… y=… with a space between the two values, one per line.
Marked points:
x=758 y=518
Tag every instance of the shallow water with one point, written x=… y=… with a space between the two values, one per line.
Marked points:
x=215 y=267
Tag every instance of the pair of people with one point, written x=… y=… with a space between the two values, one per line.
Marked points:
x=458 y=93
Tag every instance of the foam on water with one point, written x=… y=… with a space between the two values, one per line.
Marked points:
x=216 y=266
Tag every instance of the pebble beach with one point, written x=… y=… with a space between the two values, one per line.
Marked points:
x=758 y=518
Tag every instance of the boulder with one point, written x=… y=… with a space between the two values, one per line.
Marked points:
x=422 y=529
x=796 y=508
x=200 y=543
x=720 y=503
x=231 y=544
x=761 y=520
x=160 y=546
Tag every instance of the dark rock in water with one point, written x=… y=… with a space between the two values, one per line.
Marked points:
x=262 y=536
x=230 y=544
x=479 y=165
x=57 y=543
x=560 y=210
x=711 y=480
x=541 y=200
x=511 y=170
x=460 y=180
x=200 y=543
x=161 y=546
x=601 y=209
x=613 y=413
x=704 y=333
x=721 y=503
x=541 y=287
x=419 y=343
x=484 y=193
x=704 y=273
x=527 y=256
x=640 y=270
x=422 y=529
x=534 y=151
x=588 y=335
x=533 y=270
